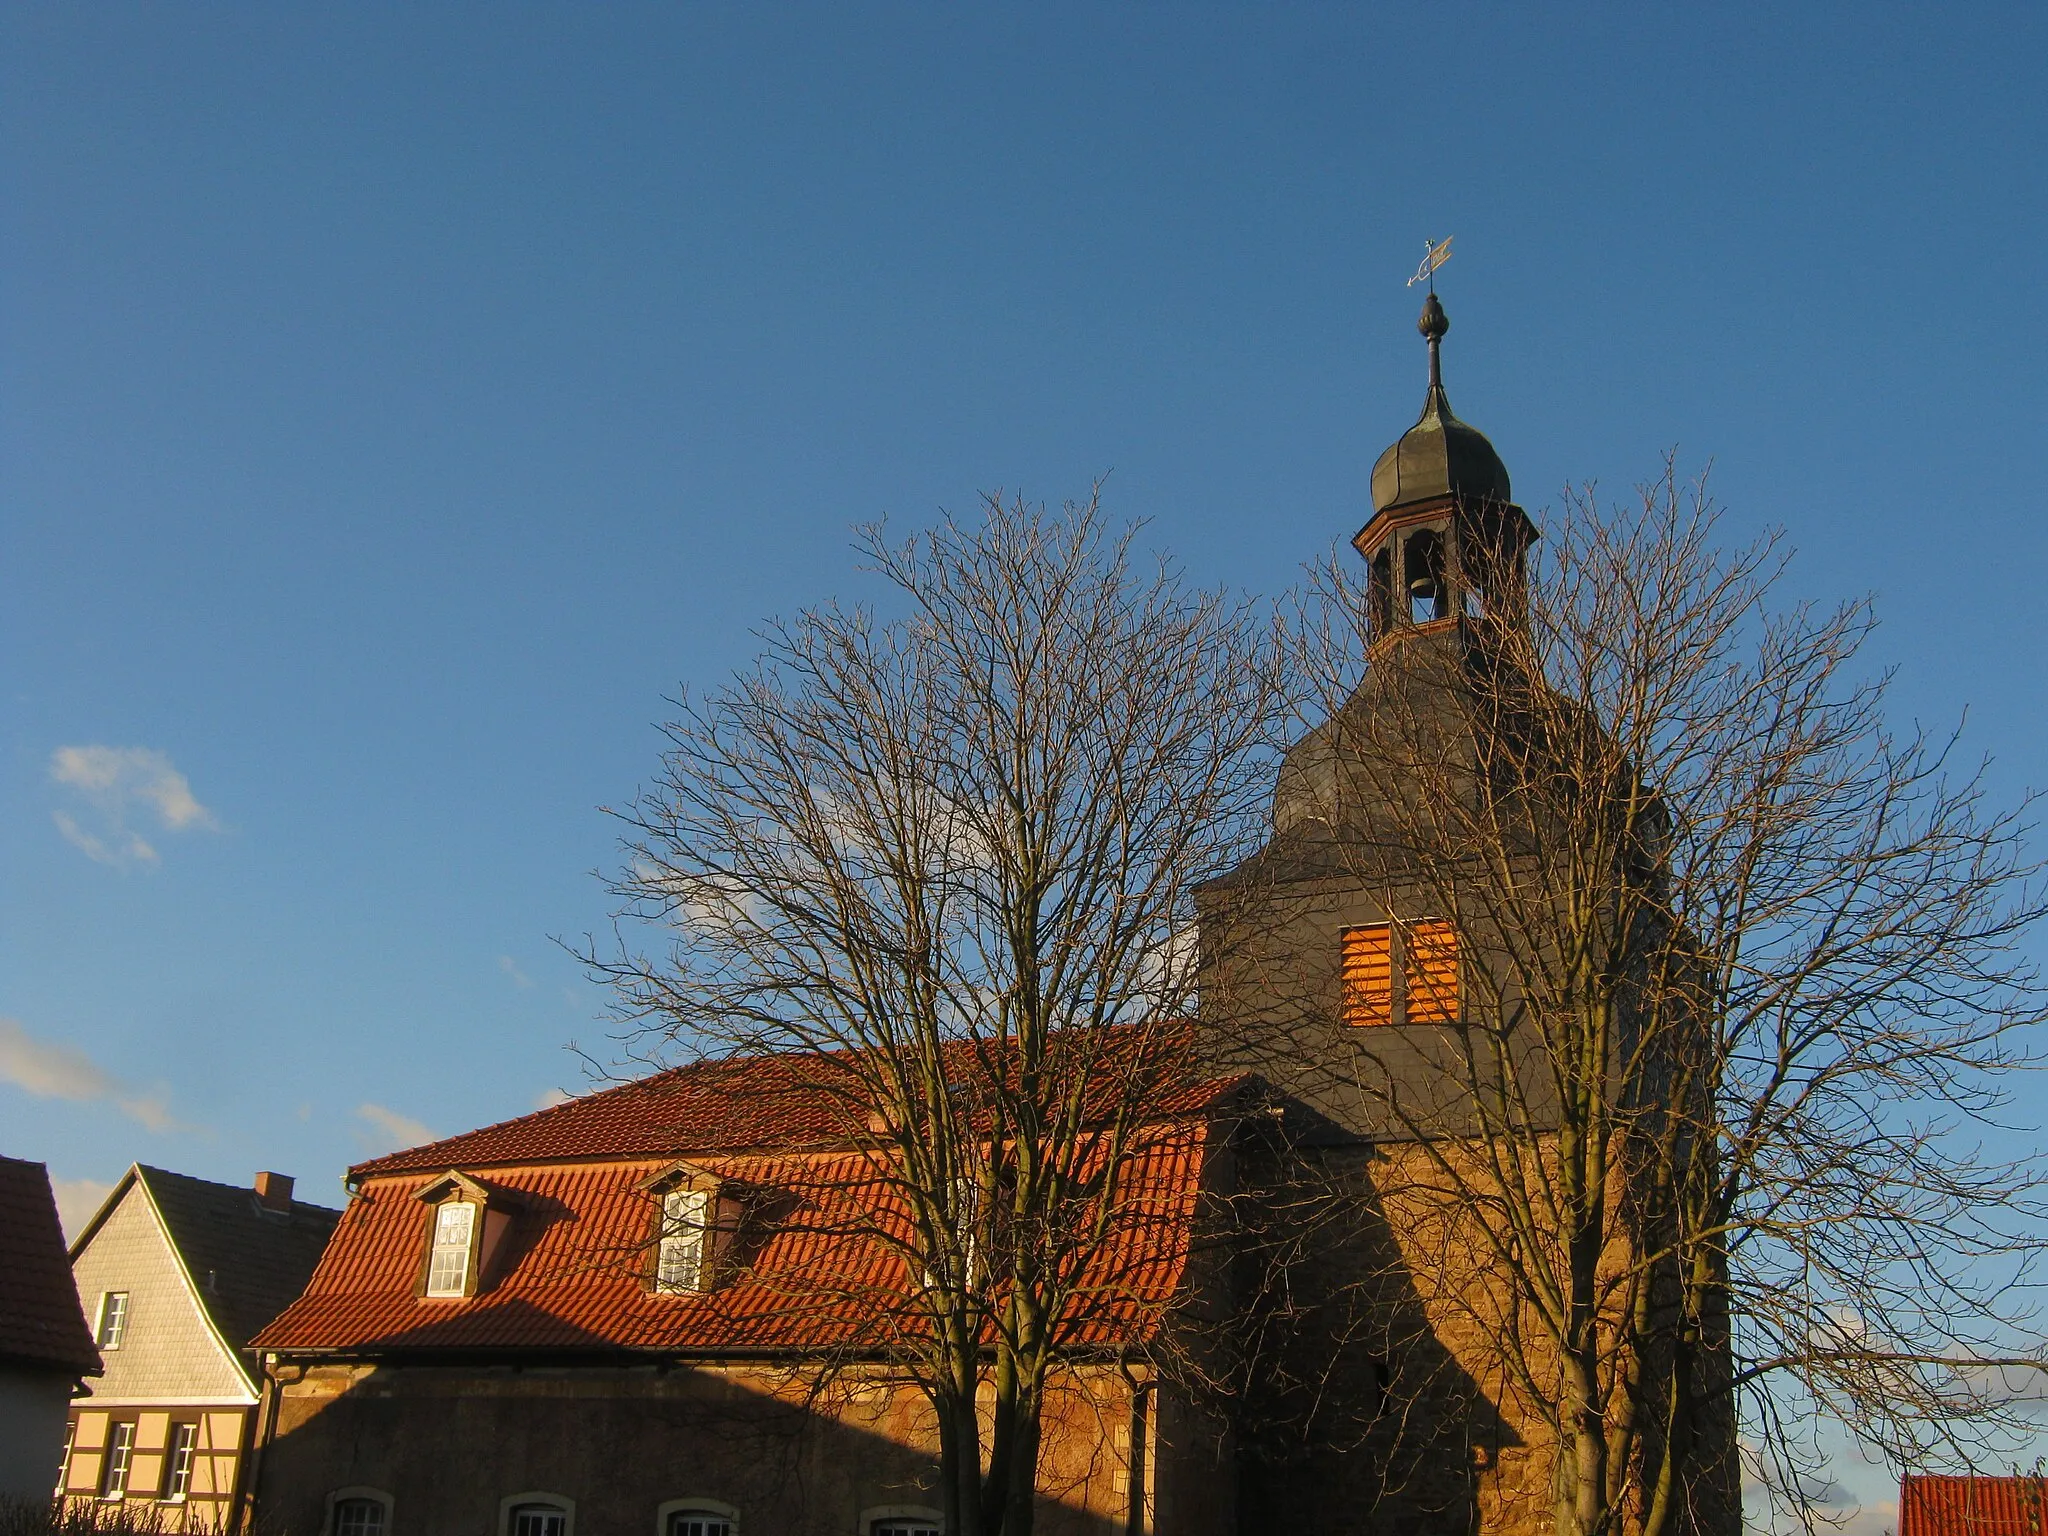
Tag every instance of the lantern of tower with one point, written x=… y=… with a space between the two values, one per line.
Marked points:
x=1446 y=542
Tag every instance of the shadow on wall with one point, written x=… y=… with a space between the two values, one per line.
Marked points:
x=1357 y=1413
x=447 y=1444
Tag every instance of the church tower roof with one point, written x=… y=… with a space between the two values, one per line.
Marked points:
x=1440 y=455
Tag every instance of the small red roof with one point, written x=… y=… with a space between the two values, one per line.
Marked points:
x=1973 y=1506
x=41 y=1324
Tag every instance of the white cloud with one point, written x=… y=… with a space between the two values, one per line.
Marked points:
x=390 y=1131
x=77 y=1200
x=115 y=781
x=511 y=968
x=548 y=1098
x=53 y=1071
x=133 y=849
x=48 y=1070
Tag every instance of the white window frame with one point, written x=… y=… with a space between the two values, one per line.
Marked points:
x=178 y=1458
x=341 y=1496
x=513 y=1502
x=436 y=1247
x=120 y=1460
x=716 y=1508
x=113 y=1323
x=900 y=1514
x=682 y=1256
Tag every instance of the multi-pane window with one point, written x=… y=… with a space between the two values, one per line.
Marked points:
x=904 y=1528
x=1420 y=969
x=679 y=1261
x=358 y=1517
x=539 y=1520
x=113 y=1319
x=448 y=1266
x=184 y=1438
x=120 y=1451
x=697 y=1522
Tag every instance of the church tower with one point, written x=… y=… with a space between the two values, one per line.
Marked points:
x=1334 y=928
x=1362 y=966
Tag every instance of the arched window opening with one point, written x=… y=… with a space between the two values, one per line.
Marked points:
x=697 y=1522
x=901 y=1520
x=534 y=1517
x=1379 y=600
x=358 y=1512
x=1422 y=570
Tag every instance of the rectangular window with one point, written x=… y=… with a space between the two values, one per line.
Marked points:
x=539 y=1520
x=184 y=1437
x=358 y=1517
x=1369 y=975
x=1432 y=972
x=448 y=1268
x=120 y=1450
x=679 y=1262
x=113 y=1319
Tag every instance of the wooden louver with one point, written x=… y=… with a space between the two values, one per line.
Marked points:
x=1432 y=972
x=1369 y=975
x=1429 y=972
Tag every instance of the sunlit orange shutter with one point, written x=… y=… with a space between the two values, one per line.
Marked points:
x=1432 y=972
x=1368 y=976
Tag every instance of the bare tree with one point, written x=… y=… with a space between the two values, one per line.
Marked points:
x=946 y=859
x=1742 y=996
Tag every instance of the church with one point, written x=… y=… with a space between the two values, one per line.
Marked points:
x=582 y=1317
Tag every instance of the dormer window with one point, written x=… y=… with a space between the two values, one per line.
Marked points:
x=697 y=1218
x=448 y=1267
x=465 y=1228
x=685 y=1231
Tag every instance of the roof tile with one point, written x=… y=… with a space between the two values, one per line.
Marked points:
x=40 y=1320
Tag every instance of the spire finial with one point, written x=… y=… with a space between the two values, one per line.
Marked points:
x=1433 y=324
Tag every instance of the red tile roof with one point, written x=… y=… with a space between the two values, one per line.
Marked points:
x=1973 y=1506
x=821 y=1278
x=771 y=1101
x=743 y=1104
x=41 y=1324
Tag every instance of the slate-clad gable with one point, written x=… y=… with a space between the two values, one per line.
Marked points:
x=258 y=1259
x=169 y=1351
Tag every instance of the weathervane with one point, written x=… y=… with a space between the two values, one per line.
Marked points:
x=1438 y=252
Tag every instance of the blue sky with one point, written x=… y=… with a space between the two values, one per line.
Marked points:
x=399 y=401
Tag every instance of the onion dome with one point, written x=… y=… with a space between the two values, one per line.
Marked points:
x=1439 y=456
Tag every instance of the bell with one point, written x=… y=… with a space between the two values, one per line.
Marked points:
x=1423 y=587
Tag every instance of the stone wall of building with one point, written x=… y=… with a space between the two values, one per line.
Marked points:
x=1405 y=1358
x=447 y=1445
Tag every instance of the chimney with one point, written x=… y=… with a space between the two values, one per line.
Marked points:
x=274 y=1191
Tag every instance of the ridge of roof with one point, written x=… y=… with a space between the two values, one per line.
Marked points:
x=731 y=1104
x=41 y=1322
x=243 y=1262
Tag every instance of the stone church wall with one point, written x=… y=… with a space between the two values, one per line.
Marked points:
x=448 y=1444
